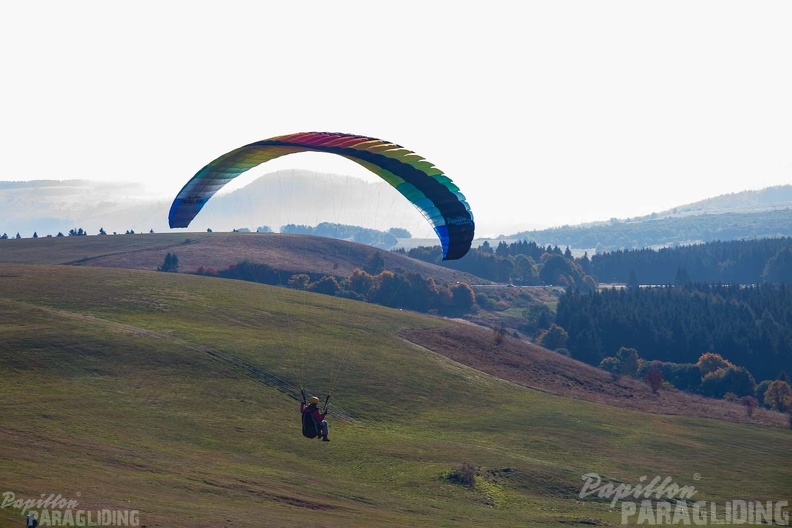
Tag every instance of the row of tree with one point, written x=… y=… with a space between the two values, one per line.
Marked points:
x=72 y=232
x=374 y=284
x=734 y=261
x=711 y=375
x=361 y=235
x=750 y=325
x=528 y=263
x=520 y=263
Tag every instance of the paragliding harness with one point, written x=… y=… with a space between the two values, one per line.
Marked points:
x=310 y=427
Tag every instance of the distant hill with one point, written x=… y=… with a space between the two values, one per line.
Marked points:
x=47 y=207
x=745 y=215
x=764 y=200
x=296 y=253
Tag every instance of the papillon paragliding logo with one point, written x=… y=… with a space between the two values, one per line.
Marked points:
x=57 y=510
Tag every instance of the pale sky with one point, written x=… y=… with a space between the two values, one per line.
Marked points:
x=543 y=113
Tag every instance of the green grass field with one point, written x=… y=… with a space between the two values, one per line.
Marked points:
x=176 y=396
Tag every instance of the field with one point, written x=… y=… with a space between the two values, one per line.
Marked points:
x=176 y=396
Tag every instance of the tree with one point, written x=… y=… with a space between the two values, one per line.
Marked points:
x=553 y=338
x=736 y=380
x=399 y=232
x=759 y=392
x=170 y=264
x=779 y=267
x=538 y=315
x=682 y=278
x=778 y=396
x=463 y=298
x=632 y=280
x=628 y=361
x=299 y=281
x=654 y=378
x=525 y=271
x=611 y=364
x=750 y=404
x=327 y=285
x=360 y=282
x=102 y=231
x=499 y=334
x=375 y=264
x=560 y=271
x=35 y=234
x=710 y=362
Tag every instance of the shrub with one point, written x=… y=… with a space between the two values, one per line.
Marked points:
x=750 y=404
x=465 y=475
x=170 y=264
x=654 y=378
x=760 y=390
x=612 y=365
x=499 y=334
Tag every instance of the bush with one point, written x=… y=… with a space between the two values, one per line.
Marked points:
x=612 y=365
x=170 y=264
x=654 y=378
x=465 y=475
x=683 y=376
x=750 y=404
x=733 y=379
x=499 y=334
x=760 y=390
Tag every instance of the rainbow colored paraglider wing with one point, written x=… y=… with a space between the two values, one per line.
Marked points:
x=423 y=184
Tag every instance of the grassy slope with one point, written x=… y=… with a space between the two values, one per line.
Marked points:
x=155 y=392
x=218 y=250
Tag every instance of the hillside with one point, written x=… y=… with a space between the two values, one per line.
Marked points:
x=175 y=395
x=746 y=215
x=298 y=253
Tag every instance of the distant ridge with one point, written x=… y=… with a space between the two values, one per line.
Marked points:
x=745 y=215
x=47 y=207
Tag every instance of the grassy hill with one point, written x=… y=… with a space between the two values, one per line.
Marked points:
x=175 y=395
x=300 y=253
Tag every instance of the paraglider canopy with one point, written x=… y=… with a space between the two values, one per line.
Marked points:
x=419 y=181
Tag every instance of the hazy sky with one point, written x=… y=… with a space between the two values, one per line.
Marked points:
x=544 y=113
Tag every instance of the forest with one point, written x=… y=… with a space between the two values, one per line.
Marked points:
x=750 y=326
x=730 y=262
x=527 y=263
